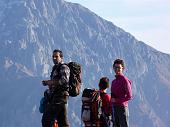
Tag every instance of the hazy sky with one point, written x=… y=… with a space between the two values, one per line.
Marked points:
x=147 y=20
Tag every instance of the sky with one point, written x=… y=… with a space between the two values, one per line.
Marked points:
x=147 y=20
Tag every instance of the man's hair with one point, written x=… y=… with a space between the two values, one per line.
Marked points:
x=57 y=50
x=104 y=83
x=119 y=61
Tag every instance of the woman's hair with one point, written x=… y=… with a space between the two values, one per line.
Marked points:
x=119 y=61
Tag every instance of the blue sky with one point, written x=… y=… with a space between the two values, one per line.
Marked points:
x=147 y=20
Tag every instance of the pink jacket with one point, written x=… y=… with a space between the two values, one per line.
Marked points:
x=121 y=90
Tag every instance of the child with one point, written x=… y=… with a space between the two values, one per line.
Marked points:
x=44 y=104
x=106 y=102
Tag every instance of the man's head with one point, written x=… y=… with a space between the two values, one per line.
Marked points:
x=57 y=56
x=118 y=66
x=104 y=83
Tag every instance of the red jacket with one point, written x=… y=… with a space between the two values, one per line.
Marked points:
x=106 y=103
x=121 y=90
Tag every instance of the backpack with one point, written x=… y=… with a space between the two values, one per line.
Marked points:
x=75 y=79
x=91 y=107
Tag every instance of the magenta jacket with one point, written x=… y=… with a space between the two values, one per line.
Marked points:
x=121 y=90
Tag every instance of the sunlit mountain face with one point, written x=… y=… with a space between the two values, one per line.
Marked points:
x=31 y=29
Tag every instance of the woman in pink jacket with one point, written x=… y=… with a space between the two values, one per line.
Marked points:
x=121 y=93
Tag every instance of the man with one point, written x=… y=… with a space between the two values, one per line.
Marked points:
x=106 y=102
x=59 y=84
x=121 y=93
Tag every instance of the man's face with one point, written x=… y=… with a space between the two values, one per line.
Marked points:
x=56 y=58
x=118 y=68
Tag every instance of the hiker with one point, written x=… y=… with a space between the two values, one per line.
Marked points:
x=96 y=105
x=121 y=93
x=59 y=84
x=106 y=102
x=44 y=102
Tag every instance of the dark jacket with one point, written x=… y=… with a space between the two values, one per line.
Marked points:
x=60 y=72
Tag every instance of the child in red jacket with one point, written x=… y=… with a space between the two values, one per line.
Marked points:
x=106 y=102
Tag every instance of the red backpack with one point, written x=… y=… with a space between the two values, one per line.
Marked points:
x=91 y=107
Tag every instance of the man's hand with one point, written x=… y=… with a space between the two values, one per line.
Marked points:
x=48 y=82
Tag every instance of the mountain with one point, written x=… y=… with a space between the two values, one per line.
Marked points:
x=31 y=29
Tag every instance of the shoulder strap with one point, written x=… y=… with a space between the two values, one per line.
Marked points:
x=96 y=94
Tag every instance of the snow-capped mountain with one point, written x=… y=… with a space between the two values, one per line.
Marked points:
x=31 y=29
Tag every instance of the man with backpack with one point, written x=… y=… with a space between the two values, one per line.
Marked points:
x=59 y=87
x=121 y=93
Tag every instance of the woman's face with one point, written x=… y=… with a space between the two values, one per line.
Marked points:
x=118 y=68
